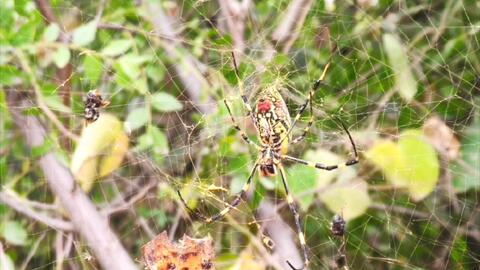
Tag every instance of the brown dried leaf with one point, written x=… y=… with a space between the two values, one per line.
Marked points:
x=441 y=137
x=187 y=253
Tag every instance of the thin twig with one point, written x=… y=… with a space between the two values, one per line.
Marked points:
x=23 y=208
x=235 y=14
x=289 y=29
x=125 y=205
x=64 y=74
x=189 y=69
x=33 y=251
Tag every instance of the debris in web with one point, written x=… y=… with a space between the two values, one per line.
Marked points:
x=188 y=253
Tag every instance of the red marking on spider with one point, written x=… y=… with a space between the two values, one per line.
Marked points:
x=264 y=106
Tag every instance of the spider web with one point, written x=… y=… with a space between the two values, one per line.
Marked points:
x=208 y=161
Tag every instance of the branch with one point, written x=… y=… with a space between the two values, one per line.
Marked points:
x=189 y=69
x=126 y=201
x=86 y=220
x=235 y=13
x=20 y=206
x=47 y=13
x=65 y=74
x=281 y=234
x=287 y=32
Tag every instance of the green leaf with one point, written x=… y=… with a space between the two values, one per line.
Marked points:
x=25 y=34
x=156 y=73
x=100 y=150
x=237 y=163
x=136 y=118
x=350 y=201
x=129 y=65
x=459 y=251
x=8 y=75
x=56 y=104
x=51 y=32
x=93 y=68
x=160 y=145
x=40 y=150
x=300 y=180
x=165 y=102
x=140 y=85
x=404 y=81
x=61 y=57
x=117 y=47
x=20 y=7
x=85 y=34
x=411 y=162
x=7 y=20
x=14 y=233
x=154 y=140
x=470 y=153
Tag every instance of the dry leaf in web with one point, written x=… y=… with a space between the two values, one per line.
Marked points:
x=441 y=137
x=187 y=254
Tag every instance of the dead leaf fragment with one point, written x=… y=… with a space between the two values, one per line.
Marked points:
x=441 y=137
x=188 y=253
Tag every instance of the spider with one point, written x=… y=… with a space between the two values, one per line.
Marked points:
x=338 y=225
x=274 y=128
x=93 y=102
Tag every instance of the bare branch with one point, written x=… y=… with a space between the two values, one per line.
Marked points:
x=64 y=74
x=21 y=207
x=189 y=69
x=47 y=13
x=126 y=201
x=33 y=251
x=288 y=30
x=235 y=13
x=87 y=221
x=281 y=234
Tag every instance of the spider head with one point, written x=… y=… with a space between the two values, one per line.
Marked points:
x=267 y=164
x=268 y=170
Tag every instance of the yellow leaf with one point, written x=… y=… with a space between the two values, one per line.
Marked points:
x=411 y=162
x=350 y=201
x=112 y=161
x=388 y=156
x=100 y=151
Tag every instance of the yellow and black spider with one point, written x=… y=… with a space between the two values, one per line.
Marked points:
x=274 y=128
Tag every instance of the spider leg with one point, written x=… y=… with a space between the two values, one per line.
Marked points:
x=266 y=240
x=312 y=91
x=237 y=127
x=291 y=205
x=321 y=166
x=230 y=206
x=310 y=121
x=247 y=106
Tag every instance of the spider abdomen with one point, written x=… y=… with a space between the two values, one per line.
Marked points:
x=273 y=120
